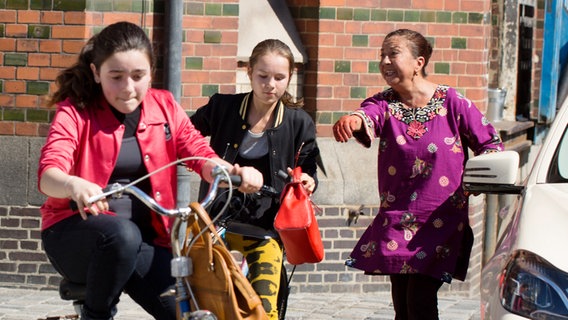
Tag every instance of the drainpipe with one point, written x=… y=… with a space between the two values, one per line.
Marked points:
x=172 y=80
x=172 y=47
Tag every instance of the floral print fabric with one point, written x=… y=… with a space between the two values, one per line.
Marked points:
x=422 y=225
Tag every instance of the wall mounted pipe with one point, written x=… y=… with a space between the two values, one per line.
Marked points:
x=172 y=49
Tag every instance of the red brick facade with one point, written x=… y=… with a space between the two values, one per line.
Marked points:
x=341 y=38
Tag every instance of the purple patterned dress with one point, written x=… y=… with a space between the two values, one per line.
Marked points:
x=422 y=225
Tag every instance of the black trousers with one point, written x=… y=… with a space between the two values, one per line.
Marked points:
x=108 y=255
x=415 y=296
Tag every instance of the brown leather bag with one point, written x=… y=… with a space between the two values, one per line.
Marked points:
x=217 y=282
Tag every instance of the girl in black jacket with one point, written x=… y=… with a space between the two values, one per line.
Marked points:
x=267 y=130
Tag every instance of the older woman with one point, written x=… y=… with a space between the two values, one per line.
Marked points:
x=421 y=235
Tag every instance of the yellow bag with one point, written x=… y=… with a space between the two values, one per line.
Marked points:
x=217 y=282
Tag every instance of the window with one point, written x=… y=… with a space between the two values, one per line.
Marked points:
x=558 y=172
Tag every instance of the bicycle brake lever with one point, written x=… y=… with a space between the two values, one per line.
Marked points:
x=269 y=191
x=115 y=190
x=283 y=175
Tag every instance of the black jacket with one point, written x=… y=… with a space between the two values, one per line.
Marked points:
x=223 y=118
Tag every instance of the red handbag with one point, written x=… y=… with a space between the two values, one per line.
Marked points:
x=296 y=223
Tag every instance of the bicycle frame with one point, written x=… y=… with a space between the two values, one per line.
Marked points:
x=181 y=266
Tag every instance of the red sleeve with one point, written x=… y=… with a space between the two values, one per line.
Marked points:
x=62 y=142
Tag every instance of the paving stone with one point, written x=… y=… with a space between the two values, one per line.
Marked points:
x=24 y=304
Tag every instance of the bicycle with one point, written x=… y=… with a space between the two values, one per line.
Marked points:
x=180 y=265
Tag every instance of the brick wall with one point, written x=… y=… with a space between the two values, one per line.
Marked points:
x=349 y=37
x=209 y=49
x=39 y=38
x=36 y=43
x=23 y=263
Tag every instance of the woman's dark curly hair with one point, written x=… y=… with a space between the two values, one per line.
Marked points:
x=78 y=83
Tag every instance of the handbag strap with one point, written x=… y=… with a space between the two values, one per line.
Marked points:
x=194 y=235
x=297 y=174
x=203 y=221
x=198 y=225
x=295 y=186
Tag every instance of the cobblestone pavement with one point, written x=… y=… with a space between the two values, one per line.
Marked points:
x=24 y=304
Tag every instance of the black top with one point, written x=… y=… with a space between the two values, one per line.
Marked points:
x=129 y=167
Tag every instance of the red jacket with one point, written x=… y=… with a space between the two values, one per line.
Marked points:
x=86 y=143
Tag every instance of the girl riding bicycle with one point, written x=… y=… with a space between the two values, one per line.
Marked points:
x=110 y=126
x=264 y=129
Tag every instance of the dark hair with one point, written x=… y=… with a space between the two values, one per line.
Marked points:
x=78 y=83
x=419 y=46
x=278 y=47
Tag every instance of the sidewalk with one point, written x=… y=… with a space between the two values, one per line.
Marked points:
x=24 y=304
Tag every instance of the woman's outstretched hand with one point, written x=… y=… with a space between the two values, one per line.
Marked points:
x=344 y=127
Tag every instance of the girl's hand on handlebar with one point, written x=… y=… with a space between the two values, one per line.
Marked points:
x=80 y=190
x=252 y=179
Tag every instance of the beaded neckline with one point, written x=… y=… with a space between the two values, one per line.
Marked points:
x=416 y=118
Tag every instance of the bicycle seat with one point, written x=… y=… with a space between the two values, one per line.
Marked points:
x=71 y=291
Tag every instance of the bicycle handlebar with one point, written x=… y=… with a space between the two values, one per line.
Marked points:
x=269 y=191
x=219 y=176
